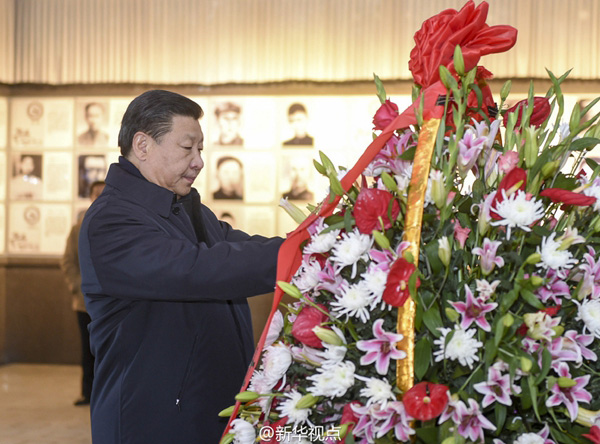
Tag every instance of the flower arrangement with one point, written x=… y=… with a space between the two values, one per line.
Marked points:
x=506 y=284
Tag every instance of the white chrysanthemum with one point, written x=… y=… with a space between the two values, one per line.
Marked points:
x=307 y=276
x=462 y=347
x=274 y=329
x=594 y=191
x=276 y=360
x=529 y=438
x=552 y=257
x=375 y=279
x=518 y=211
x=322 y=243
x=332 y=381
x=589 y=313
x=351 y=248
x=354 y=301
x=260 y=383
x=332 y=355
x=377 y=391
x=288 y=408
x=243 y=432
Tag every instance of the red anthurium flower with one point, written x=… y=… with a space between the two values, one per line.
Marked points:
x=541 y=111
x=274 y=425
x=308 y=318
x=594 y=435
x=425 y=400
x=439 y=35
x=558 y=195
x=387 y=112
x=514 y=180
x=551 y=311
x=349 y=417
x=371 y=208
x=396 y=288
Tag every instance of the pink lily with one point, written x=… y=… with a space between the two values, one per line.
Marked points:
x=569 y=396
x=471 y=421
x=381 y=349
x=488 y=256
x=496 y=388
x=474 y=310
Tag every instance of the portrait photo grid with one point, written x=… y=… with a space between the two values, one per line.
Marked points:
x=257 y=150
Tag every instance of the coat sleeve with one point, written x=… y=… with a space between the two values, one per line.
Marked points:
x=136 y=256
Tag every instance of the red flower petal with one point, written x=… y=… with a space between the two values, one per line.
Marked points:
x=371 y=205
x=387 y=112
x=558 y=195
x=511 y=179
x=594 y=435
x=308 y=318
x=396 y=288
x=541 y=111
x=425 y=400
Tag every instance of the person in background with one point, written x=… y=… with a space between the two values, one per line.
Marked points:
x=70 y=266
x=165 y=283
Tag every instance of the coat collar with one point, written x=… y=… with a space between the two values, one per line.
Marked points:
x=125 y=177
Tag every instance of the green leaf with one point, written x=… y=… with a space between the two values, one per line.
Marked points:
x=422 y=356
x=433 y=320
x=409 y=154
x=491 y=350
x=533 y=392
x=591 y=163
x=500 y=414
x=531 y=299
x=349 y=221
x=508 y=299
x=320 y=168
x=546 y=363
x=585 y=143
x=498 y=332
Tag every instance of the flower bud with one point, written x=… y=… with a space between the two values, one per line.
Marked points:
x=564 y=382
x=531 y=146
x=526 y=364
x=586 y=418
x=550 y=168
x=449 y=440
x=438 y=190
x=508 y=320
x=227 y=439
x=381 y=240
x=246 y=396
x=226 y=413
x=342 y=430
x=452 y=314
x=459 y=62
x=307 y=401
x=533 y=258
x=290 y=289
x=536 y=280
x=444 y=250
x=558 y=330
x=296 y=213
x=505 y=91
x=597 y=226
x=328 y=336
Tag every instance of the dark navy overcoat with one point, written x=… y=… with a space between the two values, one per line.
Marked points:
x=171 y=328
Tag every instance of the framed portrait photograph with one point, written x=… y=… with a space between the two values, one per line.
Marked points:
x=2 y=175
x=117 y=107
x=92 y=123
x=26 y=181
x=227 y=176
x=41 y=122
x=297 y=122
x=90 y=168
x=296 y=176
x=260 y=177
x=3 y=121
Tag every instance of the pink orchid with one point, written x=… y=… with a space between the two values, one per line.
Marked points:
x=381 y=349
x=497 y=388
x=461 y=234
x=471 y=421
x=488 y=256
x=474 y=310
x=569 y=396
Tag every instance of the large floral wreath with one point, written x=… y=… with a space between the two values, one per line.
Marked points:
x=506 y=282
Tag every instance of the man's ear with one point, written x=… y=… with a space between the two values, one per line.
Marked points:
x=139 y=146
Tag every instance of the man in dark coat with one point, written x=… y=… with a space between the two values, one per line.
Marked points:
x=165 y=284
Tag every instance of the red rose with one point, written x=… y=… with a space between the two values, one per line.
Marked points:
x=558 y=195
x=396 y=288
x=439 y=35
x=517 y=177
x=387 y=112
x=541 y=111
x=371 y=208
x=425 y=400
x=308 y=318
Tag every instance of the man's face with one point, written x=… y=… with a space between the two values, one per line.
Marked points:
x=299 y=173
x=95 y=168
x=93 y=117
x=298 y=123
x=27 y=165
x=229 y=175
x=176 y=161
x=229 y=122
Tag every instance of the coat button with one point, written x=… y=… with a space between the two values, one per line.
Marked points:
x=175 y=211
